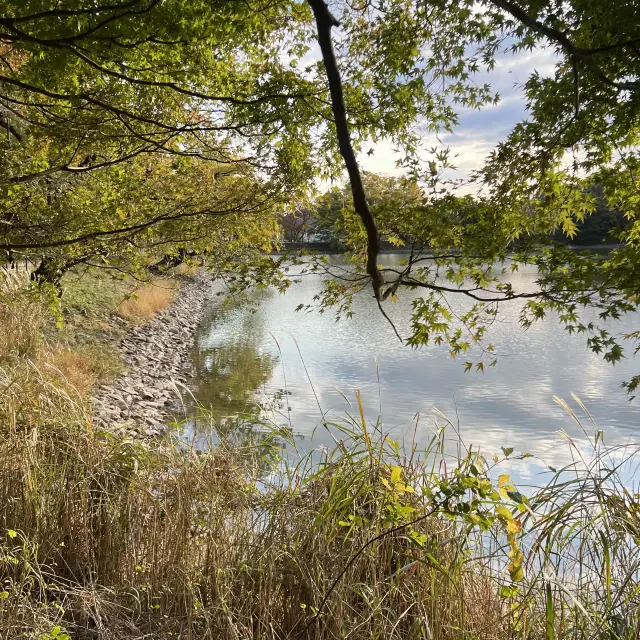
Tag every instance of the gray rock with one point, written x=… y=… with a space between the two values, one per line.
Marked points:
x=155 y=354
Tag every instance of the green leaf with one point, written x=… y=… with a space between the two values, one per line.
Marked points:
x=516 y=573
x=509 y=591
x=550 y=613
x=418 y=538
x=516 y=496
x=504 y=512
x=396 y=474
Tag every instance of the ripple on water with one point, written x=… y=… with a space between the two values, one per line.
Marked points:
x=317 y=360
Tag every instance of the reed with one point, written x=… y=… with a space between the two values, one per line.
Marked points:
x=107 y=538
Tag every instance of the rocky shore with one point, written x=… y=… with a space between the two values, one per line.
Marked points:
x=156 y=355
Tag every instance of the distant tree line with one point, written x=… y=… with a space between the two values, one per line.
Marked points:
x=323 y=219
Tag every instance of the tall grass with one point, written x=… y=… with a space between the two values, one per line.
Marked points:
x=20 y=316
x=107 y=538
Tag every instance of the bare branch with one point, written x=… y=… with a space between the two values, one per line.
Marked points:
x=325 y=21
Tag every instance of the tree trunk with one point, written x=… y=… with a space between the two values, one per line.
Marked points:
x=324 y=21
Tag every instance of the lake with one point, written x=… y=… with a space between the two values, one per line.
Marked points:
x=301 y=368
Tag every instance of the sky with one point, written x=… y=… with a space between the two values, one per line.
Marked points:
x=479 y=131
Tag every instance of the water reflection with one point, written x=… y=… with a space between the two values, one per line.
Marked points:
x=316 y=366
x=258 y=448
x=230 y=368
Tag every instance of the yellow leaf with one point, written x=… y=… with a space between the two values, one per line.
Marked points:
x=516 y=573
x=514 y=526
x=504 y=479
x=502 y=511
x=396 y=474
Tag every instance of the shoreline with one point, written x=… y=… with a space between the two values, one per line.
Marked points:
x=156 y=356
x=327 y=248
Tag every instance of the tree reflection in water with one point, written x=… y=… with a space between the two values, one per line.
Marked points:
x=229 y=367
x=229 y=373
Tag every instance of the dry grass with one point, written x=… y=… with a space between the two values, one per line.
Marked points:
x=120 y=541
x=21 y=316
x=186 y=269
x=76 y=369
x=26 y=354
x=147 y=300
x=83 y=367
x=111 y=539
x=102 y=538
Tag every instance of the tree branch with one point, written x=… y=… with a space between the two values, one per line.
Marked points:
x=5 y=124
x=324 y=21
x=95 y=235
x=8 y=22
x=565 y=42
x=471 y=293
x=59 y=13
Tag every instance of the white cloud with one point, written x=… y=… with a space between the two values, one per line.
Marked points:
x=479 y=131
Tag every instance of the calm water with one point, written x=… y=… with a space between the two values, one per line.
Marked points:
x=301 y=366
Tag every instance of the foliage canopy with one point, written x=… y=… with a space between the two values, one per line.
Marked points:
x=141 y=130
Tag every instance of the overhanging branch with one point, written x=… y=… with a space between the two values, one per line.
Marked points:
x=562 y=38
x=132 y=229
x=324 y=22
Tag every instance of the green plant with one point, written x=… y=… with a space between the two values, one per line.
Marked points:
x=244 y=539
